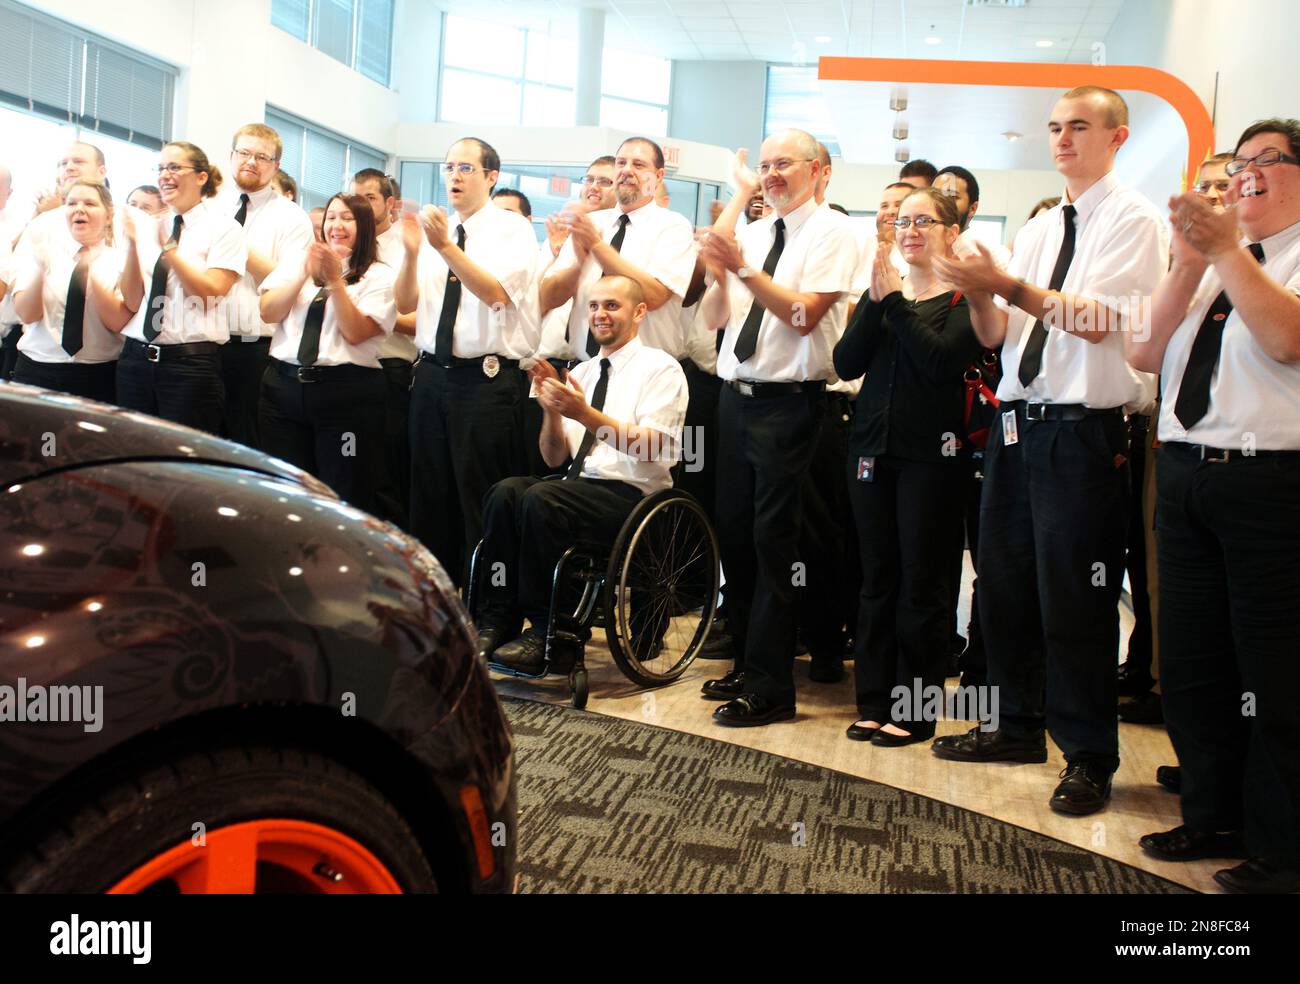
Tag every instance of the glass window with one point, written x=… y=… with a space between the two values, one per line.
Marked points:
x=483 y=46
x=988 y=230
x=468 y=97
x=292 y=16
x=320 y=161
x=548 y=106
x=375 y=39
x=419 y=180
x=552 y=60
x=794 y=101
x=637 y=117
x=359 y=33
x=629 y=75
x=333 y=28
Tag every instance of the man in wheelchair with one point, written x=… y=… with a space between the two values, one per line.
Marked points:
x=620 y=445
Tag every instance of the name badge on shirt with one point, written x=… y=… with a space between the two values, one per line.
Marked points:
x=1010 y=435
x=866 y=469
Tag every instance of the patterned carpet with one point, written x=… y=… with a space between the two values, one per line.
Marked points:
x=607 y=805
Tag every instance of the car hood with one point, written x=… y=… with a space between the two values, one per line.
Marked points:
x=43 y=431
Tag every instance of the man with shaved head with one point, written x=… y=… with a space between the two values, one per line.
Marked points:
x=779 y=292
x=615 y=425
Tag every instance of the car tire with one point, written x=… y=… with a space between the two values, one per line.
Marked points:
x=145 y=807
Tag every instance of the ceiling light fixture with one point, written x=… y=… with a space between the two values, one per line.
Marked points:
x=1043 y=44
x=933 y=40
x=1011 y=136
x=823 y=39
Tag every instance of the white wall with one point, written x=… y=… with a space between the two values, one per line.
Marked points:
x=718 y=102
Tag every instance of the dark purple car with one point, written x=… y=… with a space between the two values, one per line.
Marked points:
x=217 y=677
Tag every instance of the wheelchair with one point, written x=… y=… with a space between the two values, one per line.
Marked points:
x=655 y=593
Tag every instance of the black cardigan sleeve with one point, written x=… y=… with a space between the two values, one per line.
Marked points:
x=940 y=354
x=857 y=346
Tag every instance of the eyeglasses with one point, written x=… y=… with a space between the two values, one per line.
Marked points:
x=248 y=155
x=174 y=169
x=921 y=222
x=451 y=167
x=780 y=166
x=1265 y=159
x=1203 y=187
x=591 y=179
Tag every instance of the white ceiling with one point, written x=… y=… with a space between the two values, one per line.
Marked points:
x=787 y=30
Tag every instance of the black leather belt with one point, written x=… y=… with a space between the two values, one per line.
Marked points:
x=477 y=363
x=321 y=374
x=1203 y=452
x=162 y=353
x=1066 y=411
x=395 y=363
x=759 y=390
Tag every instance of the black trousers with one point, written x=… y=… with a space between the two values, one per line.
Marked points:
x=528 y=524
x=395 y=486
x=9 y=352
x=185 y=390
x=765 y=445
x=697 y=472
x=243 y=363
x=1228 y=547
x=97 y=381
x=1141 y=643
x=823 y=542
x=333 y=428
x=1051 y=559
x=971 y=480
x=908 y=519
x=466 y=435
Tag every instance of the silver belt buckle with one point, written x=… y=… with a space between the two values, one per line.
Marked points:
x=153 y=353
x=304 y=374
x=1035 y=411
x=1216 y=455
x=744 y=388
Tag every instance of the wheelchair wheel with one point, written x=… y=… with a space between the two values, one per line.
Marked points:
x=661 y=588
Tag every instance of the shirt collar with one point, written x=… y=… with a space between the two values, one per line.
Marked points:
x=482 y=216
x=256 y=199
x=624 y=355
x=1279 y=241
x=196 y=211
x=641 y=211
x=795 y=220
x=1087 y=203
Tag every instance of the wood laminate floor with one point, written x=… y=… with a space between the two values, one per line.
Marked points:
x=1013 y=793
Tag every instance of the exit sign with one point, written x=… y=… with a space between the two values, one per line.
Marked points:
x=672 y=156
x=559 y=186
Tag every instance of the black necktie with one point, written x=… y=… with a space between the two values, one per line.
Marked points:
x=1031 y=359
x=593 y=346
x=242 y=214
x=1194 y=392
x=153 y=312
x=74 y=308
x=450 y=305
x=309 y=344
x=747 y=343
x=589 y=438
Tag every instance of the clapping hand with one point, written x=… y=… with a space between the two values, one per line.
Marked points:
x=566 y=400
x=974 y=274
x=1202 y=227
x=742 y=177
x=434 y=221
x=412 y=233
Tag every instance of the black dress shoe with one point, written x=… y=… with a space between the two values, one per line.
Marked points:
x=1258 y=876
x=527 y=654
x=752 y=710
x=1171 y=777
x=1185 y=844
x=826 y=669
x=730 y=686
x=1134 y=682
x=990 y=746
x=1142 y=710
x=496 y=632
x=720 y=644
x=1084 y=788
x=859 y=733
x=885 y=740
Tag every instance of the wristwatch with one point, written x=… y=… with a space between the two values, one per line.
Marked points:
x=745 y=272
x=169 y=246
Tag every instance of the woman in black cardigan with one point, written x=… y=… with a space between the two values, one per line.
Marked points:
x=913 y=340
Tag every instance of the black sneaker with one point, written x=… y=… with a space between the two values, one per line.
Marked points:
x=990 y=746
x=1084 y=788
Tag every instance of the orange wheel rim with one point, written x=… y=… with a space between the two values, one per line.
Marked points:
x=264 y=857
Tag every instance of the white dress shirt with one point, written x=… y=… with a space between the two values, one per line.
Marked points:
x=276 y=228
x=395 y=345
x=12 y=224
x=502 y=243
x=646 y=387
x=52 y=267
x=819 y=256
x=964 y=246
x=1253 y=398
x=1121 y=252
x=658 y=241
x=210 y=239
x=373 y=297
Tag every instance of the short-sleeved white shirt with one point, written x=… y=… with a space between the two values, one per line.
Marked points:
x=210 y=239
x=502 y=243
x=277 y=229
x=658 y=241
x=1121 y=252
x=1254 y=399
x=52 y=267
x=395 y=345
x=646 y=387
x=373 y=297
x=819 y=256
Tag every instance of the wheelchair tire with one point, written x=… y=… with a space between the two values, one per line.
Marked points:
x=664 y=571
